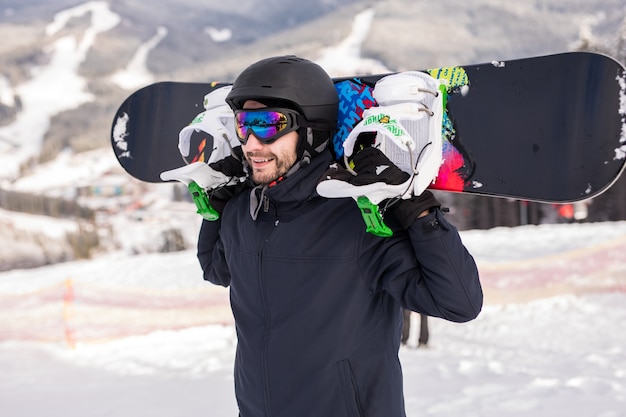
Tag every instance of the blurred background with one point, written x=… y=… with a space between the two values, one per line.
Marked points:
x=62 y=76
x=65 y=67
x=100 y=291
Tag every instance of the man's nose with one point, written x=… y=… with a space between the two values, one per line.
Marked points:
x=253 y=143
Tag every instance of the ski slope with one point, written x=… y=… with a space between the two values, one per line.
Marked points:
x=144 y=335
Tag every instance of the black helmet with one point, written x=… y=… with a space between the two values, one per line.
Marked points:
x=301 y=84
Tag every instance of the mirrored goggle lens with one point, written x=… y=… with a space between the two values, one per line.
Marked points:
x=267 y=125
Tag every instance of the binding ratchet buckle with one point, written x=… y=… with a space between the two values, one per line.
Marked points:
x=201 y=200
x=372 y=217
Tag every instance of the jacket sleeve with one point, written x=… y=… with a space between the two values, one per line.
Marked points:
x=442 y=280
x=211 y=253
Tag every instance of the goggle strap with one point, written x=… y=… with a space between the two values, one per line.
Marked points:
x=302 y=122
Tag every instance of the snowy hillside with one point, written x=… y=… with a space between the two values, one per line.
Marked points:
x=133 y=330
x=121 y=334
x=74 y=63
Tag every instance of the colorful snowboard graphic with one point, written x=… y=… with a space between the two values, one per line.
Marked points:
x=355 y=96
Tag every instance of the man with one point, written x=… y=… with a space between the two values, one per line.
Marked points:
x=317 y=301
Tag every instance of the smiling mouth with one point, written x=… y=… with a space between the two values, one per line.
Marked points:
x=260 y=159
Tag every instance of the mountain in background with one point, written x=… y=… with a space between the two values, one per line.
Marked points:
x=215 y=40
x=190 y=40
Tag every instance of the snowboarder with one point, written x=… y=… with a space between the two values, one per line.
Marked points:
x=317 y=300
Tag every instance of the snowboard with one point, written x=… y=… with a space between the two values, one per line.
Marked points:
x=548 y=129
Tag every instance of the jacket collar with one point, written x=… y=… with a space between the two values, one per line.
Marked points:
x=297 y=188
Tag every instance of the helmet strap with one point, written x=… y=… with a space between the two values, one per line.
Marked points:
x=308 y=138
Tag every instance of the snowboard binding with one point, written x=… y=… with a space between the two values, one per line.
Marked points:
x=213 y=130
x=407 y=127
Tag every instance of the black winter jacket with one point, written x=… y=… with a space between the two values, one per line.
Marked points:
x=317 y=300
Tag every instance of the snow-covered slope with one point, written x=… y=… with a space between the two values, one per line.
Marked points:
x=126 y=334
x=135 y=331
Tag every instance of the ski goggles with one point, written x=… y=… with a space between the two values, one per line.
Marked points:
x=267 y=124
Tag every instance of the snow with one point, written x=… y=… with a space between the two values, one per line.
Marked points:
x=67 y=171
x=7 y=95
x=146 y=333
x=620 y=153
x=345 y=58
x=53 y=88
x=136 y=73
x=131 y=332
x=119 y=135
x=102 y=20
x=219 y=35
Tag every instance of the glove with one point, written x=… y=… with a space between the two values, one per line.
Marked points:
x=233 y=167
x=374 y=176
x=407 y=211
x=368 y=163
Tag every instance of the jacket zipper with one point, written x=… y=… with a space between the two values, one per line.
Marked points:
x=268 y=320
x=266 y=204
